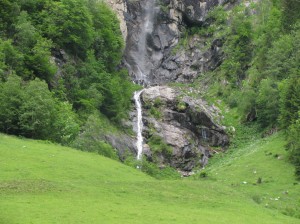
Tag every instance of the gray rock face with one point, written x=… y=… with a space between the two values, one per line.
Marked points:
x=157 y=61
x=186 y=124
x=150 y=34
x=194 y=12
x=123 y=143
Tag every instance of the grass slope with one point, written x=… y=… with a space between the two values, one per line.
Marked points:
x=262 y=172
x=46 y=183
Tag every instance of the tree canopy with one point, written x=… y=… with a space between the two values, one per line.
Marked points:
x=58 y=65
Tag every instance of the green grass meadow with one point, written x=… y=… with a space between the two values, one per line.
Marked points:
x=45 y=183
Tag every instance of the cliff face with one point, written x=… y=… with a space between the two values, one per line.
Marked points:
x=171 y=17
x=186 y=124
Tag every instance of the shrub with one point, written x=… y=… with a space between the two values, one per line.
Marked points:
x=268 y=103
x=91 y=138
x=203 y=174
x=293 y=137
x=158 y=146
x=152 y=169
x=29 y=109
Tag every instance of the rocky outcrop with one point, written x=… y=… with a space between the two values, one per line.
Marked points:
x=195 y=12
x=162 y=63
x=189 y=62
x=184 y=123
x=124 y=144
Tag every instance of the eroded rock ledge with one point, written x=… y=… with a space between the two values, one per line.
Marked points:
x=185 y=124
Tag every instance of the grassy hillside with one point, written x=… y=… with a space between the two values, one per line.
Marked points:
x=260 y=171
x=46 y=183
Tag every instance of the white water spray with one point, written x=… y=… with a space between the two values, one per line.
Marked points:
x=141 y=56
x=204 y=135
x=139 y=142
x=141 y=68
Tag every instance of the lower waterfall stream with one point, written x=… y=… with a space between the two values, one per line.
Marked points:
x=139 y=142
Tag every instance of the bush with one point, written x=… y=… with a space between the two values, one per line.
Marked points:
x=247 y=105
x=92 y=137
x=165 y=173
x=158 y=146
x=293 y=137
x=11 y=100
x=268 y=103
x=29 y=109
x=203 y=174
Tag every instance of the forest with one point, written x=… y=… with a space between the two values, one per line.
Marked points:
x=59 y=68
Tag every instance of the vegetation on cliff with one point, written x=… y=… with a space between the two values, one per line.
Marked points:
x=259 y=74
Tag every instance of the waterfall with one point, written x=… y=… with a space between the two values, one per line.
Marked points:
x=140 y=64
x=141 y=69
x=203 y=133
x=139 y=142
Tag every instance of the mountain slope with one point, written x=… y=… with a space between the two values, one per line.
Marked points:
x=261 y=171
x=46 y=183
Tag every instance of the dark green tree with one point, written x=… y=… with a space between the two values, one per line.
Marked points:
x=37 y=112
x=291 y=15
x=8 y=14
x=69 y=25
x=293 y=137
x=36 y=50
x=12 y=59
x=267 y=103
x=11 y=100
x=108 y=43
x=289 y=101
x=44 y=117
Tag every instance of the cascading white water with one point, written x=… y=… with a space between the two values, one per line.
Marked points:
x=139 y=142
x=203 y=133
x=141 y=70
x=141 y=57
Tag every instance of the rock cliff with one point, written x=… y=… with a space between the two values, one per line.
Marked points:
x=171 y=18
x=184 y=126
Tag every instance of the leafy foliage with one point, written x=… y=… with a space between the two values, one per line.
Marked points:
x=260 y=72
x=65 y=54
x=267 y=103
x=158 y=146
x=91 y=139
x=29 y=109
x=152 y=169
x=294 y=144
